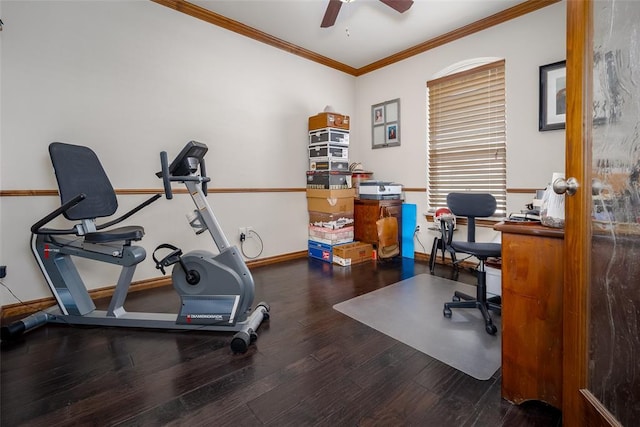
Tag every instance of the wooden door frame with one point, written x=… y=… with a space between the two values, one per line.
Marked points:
x=576 y=251
x=579 y=406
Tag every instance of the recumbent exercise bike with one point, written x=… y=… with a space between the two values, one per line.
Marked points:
x=216 y=291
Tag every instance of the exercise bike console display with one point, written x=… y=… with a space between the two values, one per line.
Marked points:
x=187 y=161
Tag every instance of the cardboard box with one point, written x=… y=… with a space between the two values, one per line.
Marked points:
x=321 y=251
x=330 y=201
x=328 y=180
x=329 y=151
x=329 y=236
x=332 y=221
x=334 y=136
x=329 y=164
x=328 y=120
x=352 y=253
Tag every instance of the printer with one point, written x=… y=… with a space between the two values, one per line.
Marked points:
x=379 y=190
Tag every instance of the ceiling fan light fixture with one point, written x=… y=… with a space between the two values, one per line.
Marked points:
x=334 y=6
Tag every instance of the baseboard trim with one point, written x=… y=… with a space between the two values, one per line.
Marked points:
x=419 y=256
x=28 y=307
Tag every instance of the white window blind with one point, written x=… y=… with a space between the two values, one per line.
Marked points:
x=467 y=135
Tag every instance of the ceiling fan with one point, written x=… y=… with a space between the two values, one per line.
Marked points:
x=334 y=7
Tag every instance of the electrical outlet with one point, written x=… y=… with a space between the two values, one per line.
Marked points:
x=249 y=232
x=417 y=229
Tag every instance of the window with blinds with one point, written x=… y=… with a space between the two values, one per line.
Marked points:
x=467 y=135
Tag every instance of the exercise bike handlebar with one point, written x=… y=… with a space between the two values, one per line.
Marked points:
x=130 y=213
x=203 y=172
x=167 y=178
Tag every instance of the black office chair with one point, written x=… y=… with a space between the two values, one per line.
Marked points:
x=472 y=206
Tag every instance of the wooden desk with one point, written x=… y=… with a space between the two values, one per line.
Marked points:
x=532 y=281
x=367 y=212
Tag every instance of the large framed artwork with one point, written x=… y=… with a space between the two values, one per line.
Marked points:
x=553 y=96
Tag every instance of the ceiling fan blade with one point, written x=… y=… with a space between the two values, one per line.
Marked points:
x=399 y=5
x=331 y=14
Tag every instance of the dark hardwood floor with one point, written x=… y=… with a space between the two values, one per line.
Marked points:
x=311 y=365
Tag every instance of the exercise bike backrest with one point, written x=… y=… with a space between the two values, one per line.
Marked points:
x=86 y=194
x=184 y=167
x=78 y=171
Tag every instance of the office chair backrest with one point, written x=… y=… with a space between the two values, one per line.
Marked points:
x=78 y=171
x=472 y=205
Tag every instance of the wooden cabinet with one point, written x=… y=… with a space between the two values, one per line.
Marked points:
x=367 y=212
x=532 y=280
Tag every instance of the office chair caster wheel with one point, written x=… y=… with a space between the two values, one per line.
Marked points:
x=455 y=298
x=446 y=312
x=491 y=329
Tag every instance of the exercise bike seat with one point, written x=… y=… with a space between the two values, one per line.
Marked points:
x=87 y=194
x=128 y=233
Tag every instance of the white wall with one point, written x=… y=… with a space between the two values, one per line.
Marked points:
x=525 y=43
x=131 y=79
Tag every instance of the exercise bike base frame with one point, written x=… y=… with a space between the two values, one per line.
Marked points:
x=134 y=319
x=245 y=331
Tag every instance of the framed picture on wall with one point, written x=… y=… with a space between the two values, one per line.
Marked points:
x=553 y=96
x=392 y=133
x=385 y=124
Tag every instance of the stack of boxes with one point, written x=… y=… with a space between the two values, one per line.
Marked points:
x=330 y=198
x=328 y=152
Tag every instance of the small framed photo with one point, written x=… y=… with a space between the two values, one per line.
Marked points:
x=553 y=96
x=385 y=124
x=392 y=133
x=378 y=116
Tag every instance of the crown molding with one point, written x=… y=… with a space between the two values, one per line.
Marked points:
x=242 y=29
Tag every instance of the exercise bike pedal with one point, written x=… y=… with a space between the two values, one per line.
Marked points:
x=173 y=257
